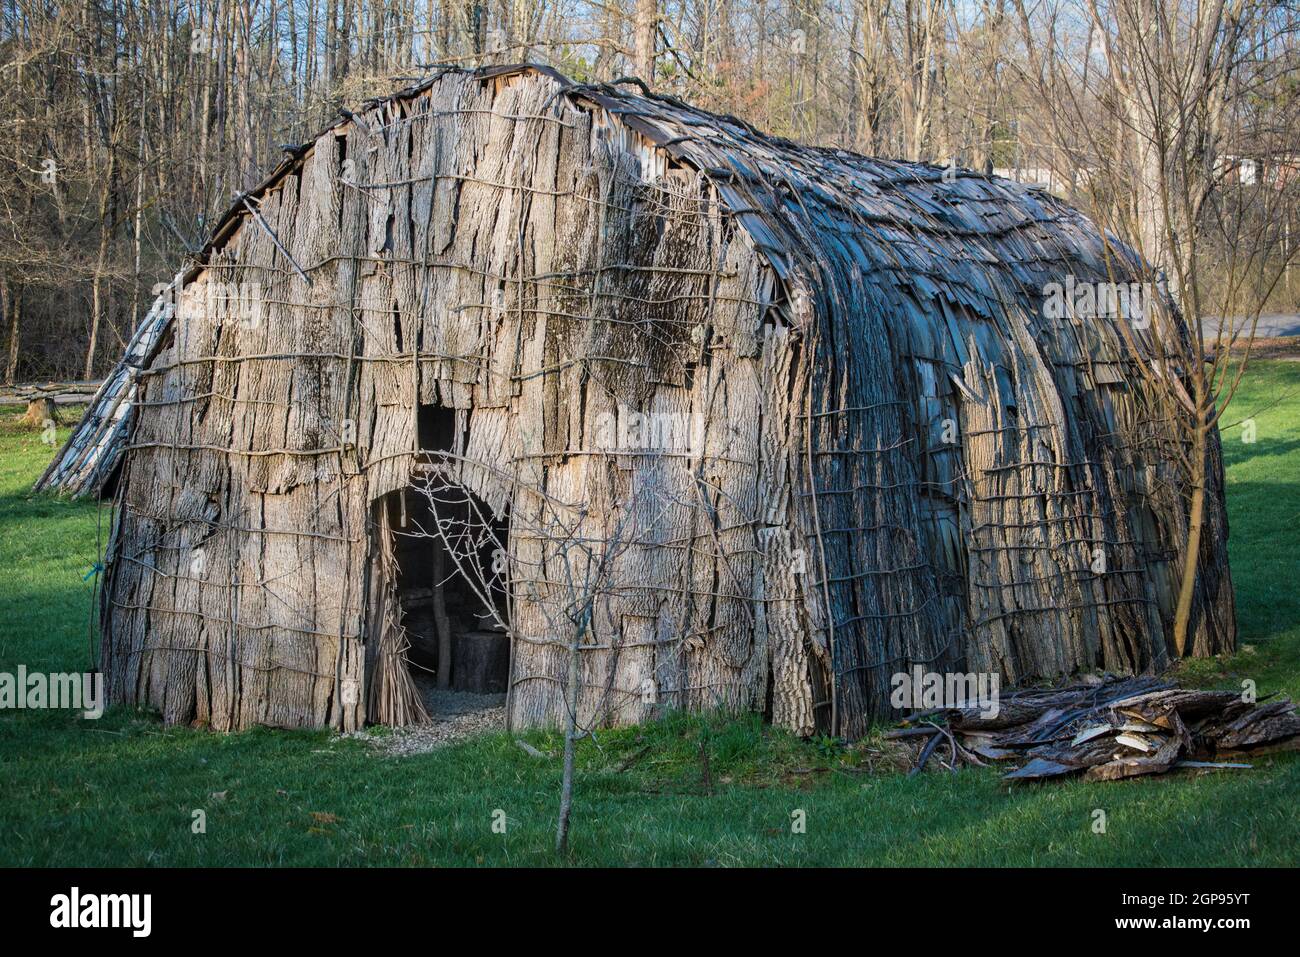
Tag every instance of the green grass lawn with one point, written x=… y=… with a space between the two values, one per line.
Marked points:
x=123 y=790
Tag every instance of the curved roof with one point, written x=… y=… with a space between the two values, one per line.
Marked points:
x=931 y=227
x=936 y=257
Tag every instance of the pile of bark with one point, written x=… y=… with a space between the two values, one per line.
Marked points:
x=1107 y=730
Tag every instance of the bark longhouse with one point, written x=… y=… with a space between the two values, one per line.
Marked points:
x=896 y=455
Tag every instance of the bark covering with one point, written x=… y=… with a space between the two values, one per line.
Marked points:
x=900 y=458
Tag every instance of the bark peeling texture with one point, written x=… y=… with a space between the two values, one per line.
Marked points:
x=902 y=460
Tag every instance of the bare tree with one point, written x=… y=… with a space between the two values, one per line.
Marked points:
x=646 y=26
x=568 y=549
x=1156 y=137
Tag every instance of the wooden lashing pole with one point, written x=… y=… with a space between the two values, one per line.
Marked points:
x=821 y=544
x=440 y=620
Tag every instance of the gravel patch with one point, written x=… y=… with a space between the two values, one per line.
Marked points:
x=453 y=716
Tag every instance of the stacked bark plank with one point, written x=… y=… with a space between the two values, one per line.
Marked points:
x=1108 y=730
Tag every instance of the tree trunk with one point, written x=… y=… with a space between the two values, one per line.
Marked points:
x=139 y=223
x=243 y=95
x=331 y=44
x=96 y=310
x=343 y=56
x=570 y=740
x=645 y=24
x=40 y=411
x=13 y=306
x=97 y=283
x=440 y=619
x=1192 y=553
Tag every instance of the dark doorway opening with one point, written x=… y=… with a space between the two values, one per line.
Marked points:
x=454 y=606
x=451 y=582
